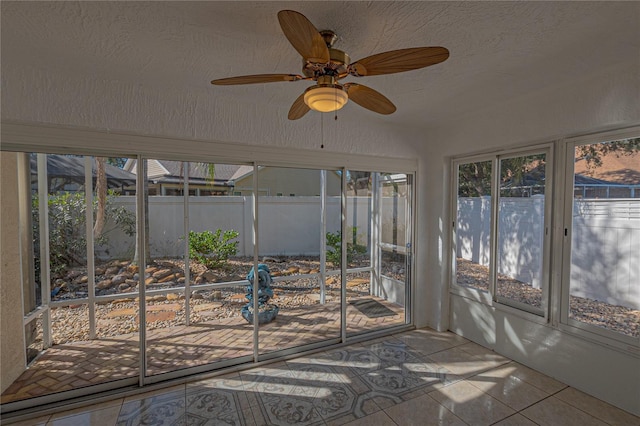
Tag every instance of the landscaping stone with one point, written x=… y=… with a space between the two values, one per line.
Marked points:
x=103 y=285
x=118 y=279
x=112 y=270
x=162 y=273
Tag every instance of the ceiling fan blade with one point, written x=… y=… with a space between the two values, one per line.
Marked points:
x=399 y=61
x=304 y=37
x=298 y=109
x=259 y=78
x=370 y=99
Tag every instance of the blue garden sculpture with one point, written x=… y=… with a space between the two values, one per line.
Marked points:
x=267 y=312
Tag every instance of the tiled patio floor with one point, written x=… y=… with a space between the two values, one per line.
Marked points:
x=80 y=364
x=420 y=377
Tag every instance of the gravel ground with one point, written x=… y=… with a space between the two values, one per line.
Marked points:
x=120 y=317
x=616 y=318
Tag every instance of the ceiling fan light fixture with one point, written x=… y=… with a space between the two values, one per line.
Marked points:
x=325 y=98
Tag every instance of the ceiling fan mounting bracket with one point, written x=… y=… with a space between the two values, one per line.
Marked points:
x=329 y=37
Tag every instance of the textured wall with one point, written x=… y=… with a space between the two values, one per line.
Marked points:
x=36 y=95
x=597 y=99
x=12 y=347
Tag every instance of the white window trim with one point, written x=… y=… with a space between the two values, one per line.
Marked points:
x=564 y=219
x=490 y=297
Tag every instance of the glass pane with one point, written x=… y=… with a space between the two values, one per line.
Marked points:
x=221 y=255
x=605 y=237
x=473 y=225
x=295 y=305
x=521 y=230
x=359 y=208
x=85 y=349
x=376 y=298
x=185 y=335
x=395 y=196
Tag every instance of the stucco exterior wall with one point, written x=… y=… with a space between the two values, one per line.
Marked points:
x=12 y=347
x=286 y=181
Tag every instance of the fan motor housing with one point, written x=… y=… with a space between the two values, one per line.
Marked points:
x=337 y=66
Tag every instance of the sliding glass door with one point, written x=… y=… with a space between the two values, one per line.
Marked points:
x=144 y=269
x=299 y=292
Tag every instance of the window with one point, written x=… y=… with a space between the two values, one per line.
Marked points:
x=520 y=260
x=473 y=224
x=501 y=230
x=602 y=228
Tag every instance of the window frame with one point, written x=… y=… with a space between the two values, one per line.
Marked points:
x=564 y=218
x=491 y=297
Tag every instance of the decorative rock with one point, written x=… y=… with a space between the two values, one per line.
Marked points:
x=112 y=270
x=161 y=273
x=172 y=296
x=209 y=276
x=199 y=279
x=150 y=270
x=181 y=280
x=158 y=298
x=150 y=280
x=314 y=271
x=304 y=270
x=276 y=273
x=132 y=269
x=103 y=285
x=196 y=295
x=216 y=295
x=293 y=270
x=118 y=279
x=272 y=259
x=99 y=271
x=169 y=278
x=131 y=282
x=84 y=279
x=123 y=287
x=73 y=274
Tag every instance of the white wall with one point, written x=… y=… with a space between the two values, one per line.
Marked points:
x=12 y=345
x=598 y=99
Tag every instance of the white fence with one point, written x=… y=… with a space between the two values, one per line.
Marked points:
x=287 y=225
x=605 y=261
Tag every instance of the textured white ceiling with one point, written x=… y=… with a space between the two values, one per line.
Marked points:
x=499 y=50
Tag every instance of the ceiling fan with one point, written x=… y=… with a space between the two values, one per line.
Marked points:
x=326 y=66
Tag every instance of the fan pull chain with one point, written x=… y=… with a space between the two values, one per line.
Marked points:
x=321 y=130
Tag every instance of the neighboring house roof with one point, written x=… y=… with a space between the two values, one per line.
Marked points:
x=586 y=180
x=72 y=169
x=616 y=168
x=241 y=172
x=169 y=171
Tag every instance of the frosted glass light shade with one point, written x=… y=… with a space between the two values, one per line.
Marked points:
x=325 y=99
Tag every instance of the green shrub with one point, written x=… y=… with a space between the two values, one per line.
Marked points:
x=212 y=249
x=334 y=247
x=67 y=230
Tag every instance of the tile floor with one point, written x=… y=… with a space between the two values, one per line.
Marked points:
x=420 y=377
